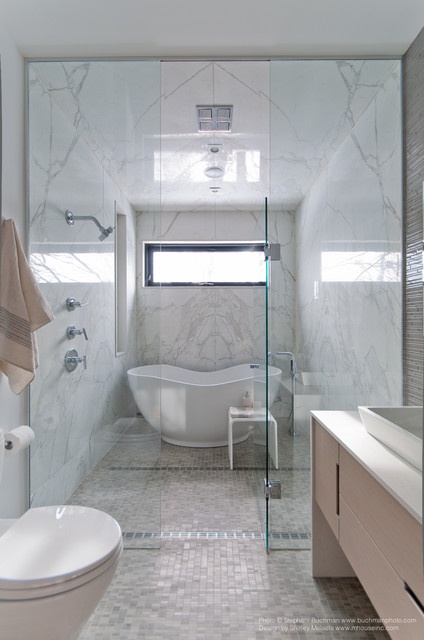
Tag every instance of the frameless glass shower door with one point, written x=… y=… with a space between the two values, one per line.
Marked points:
x=258 y=410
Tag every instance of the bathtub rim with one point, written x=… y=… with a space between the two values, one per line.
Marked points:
x=203 y=378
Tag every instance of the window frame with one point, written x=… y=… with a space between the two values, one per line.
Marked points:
x=152 y=247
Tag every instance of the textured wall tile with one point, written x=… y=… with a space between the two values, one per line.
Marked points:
x=413 y=132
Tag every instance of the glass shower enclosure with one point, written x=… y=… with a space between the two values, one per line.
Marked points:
x=121 y=141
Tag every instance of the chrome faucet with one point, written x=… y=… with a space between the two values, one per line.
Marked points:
x=291 y=355
x=293 y=373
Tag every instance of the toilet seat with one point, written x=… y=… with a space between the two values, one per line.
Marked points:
x=50 y=550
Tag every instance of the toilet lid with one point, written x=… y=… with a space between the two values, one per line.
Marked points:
x=52 y=544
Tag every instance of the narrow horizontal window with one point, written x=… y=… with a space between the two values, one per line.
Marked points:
x=217 y=264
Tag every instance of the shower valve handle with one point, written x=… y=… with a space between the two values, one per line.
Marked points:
x=72 y=359
x=71 y=304
x=71 y=332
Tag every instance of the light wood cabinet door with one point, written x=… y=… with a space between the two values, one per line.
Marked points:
x=386 y=590
x=326 y=475
x=396 y=533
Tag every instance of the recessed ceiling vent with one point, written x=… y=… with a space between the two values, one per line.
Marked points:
x=214 y=117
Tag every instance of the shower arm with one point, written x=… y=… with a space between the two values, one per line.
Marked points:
x=89 y=218
x=70 y=218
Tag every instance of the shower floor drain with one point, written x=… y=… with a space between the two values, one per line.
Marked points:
x=213 y=535
x=202 y=468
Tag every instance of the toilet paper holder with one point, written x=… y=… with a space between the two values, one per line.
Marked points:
x=18 y=439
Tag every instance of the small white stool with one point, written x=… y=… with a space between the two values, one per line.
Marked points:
x=241 y=414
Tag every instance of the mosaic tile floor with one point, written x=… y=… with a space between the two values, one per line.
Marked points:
x=194 y=564
x=151 y=486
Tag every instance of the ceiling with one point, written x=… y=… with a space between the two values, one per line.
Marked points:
x=110 y=28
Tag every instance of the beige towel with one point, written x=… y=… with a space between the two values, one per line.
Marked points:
x=246 y=412
x=23 y=309
x=240 y=412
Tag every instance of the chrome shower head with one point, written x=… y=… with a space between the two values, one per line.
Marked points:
x=105 y=233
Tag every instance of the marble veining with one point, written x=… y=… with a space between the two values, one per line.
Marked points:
x=310 y=107
x=349 y=329
x=314 y=106
x=351 y=205
x=122 y=133
x=76 y=416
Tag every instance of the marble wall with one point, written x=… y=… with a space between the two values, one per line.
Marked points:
x=207 y=328
x=348 y=262
x=335 y=167
x=314 y=106
x=203 y=328
x=413 y=132
x=78 y=415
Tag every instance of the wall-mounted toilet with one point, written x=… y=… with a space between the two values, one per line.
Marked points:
x=55 y=565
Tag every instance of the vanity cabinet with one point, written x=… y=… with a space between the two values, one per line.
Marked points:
x=360 y=528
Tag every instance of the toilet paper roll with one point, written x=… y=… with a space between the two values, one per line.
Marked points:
x=18 y=439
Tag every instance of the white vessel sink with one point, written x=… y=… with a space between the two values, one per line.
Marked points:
x=399 y=428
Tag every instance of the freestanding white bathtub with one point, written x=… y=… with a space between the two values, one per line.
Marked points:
x=190 y=408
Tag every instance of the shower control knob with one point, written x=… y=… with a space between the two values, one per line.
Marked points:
x=72 y=359
x=71 y=304
x=71 y=332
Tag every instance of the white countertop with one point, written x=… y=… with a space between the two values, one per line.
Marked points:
x=401 y=479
